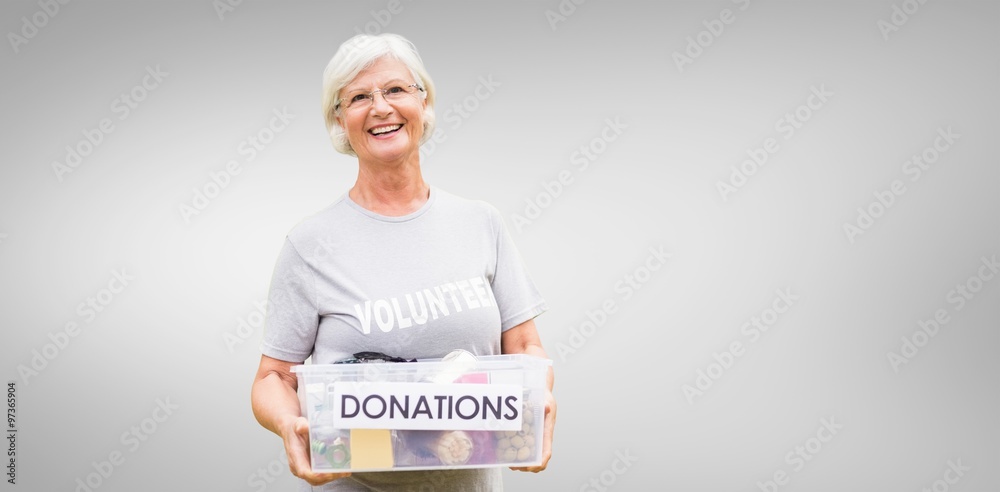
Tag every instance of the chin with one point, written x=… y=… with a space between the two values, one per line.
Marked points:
x=393 y=153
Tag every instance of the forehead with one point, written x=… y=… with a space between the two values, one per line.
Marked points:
x=383 y=70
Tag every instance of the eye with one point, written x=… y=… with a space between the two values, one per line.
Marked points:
x=395 y=90
x=359 y=97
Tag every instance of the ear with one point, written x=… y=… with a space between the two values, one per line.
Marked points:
x=338 y=120
x=339 y=126
x=338 y=134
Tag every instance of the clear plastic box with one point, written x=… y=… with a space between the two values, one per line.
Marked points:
x=473 y=412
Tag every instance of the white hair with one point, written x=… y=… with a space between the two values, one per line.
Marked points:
x=359 y=53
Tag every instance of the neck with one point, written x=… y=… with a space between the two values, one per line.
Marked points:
x=392 y=190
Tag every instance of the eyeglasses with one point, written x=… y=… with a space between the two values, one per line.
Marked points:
x=363 y=100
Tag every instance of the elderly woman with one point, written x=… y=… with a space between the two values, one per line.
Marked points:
x=389 y=238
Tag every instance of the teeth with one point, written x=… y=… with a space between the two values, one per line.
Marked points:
x=384 y=129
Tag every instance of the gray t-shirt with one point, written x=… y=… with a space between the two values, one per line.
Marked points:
x=421 y=285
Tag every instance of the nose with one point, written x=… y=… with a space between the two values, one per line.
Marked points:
x=379 y=104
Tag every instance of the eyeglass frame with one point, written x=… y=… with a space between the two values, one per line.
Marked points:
x=337 y=108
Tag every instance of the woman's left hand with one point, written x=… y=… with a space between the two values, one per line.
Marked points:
x=523 y=339
x=550 y=424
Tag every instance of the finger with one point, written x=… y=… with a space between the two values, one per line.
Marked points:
x=296 y=445
x=550 y=423
x=316 y=479
x=302 y=427
x=546 y=448
x=298 y=453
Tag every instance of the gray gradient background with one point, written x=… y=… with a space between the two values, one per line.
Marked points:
x=653 y=186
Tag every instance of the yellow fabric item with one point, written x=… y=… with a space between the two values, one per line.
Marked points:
x=371 y=448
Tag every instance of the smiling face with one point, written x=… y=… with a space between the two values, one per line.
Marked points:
x=383 y=131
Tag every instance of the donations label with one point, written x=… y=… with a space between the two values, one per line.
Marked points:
x=427 y=406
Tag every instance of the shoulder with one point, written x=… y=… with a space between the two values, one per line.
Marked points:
x=461 y=204
x=319 y=225
x=468 y=210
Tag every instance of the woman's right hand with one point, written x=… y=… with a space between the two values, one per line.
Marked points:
x=295 y=433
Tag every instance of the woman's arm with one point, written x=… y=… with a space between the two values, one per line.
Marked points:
x=523 y=339
x=276 y=406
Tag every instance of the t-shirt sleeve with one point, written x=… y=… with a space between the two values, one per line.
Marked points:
x=517 y=297
x=292 y=314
